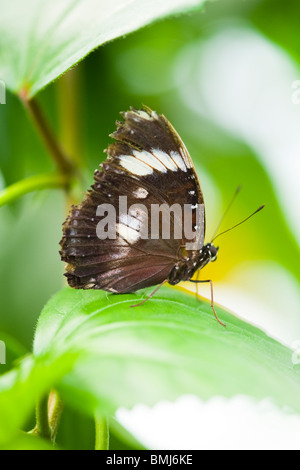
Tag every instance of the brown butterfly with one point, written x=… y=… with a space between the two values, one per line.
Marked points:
x=150 y=165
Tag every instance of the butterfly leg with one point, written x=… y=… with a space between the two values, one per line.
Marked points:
x=149 y=296
x=197 y=282
x=211 y=298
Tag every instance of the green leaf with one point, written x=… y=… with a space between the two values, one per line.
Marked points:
x=170 y=346
x=24 y=441
x=23 y=386
x=41 y=40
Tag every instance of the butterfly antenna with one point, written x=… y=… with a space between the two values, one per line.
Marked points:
x=234 y=226
x=226 y=211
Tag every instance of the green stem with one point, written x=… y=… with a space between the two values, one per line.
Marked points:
x=42 y=427
x=63 y=163
x=70 y=112
x=55 y=408
x=102 y=433
x=33 y=183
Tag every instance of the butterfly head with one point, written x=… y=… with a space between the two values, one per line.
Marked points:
x=210 y=252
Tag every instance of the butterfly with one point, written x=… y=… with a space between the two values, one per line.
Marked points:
x=148 y=164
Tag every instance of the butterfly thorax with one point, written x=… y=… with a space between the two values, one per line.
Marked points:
x=186 y=268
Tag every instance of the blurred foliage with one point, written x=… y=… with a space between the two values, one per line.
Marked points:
x=131 y=71
x=280 y=21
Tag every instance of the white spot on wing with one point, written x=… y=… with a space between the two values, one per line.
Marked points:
x=90 y=285
x=179 y=160
x=140 y=193
x=139 y=211
x=150 y=159
x=165 y=159
x=131 y=222
x=111 y=289
x=128 y=233
x=144 y=115
x=185 y=156
x=135 y=166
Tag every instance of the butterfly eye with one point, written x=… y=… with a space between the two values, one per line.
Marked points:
x=213 y=250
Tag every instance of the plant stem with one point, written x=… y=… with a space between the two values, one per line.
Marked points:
x=102 y=433
x=55 y=409
x=37 y=182
x=42 y=427
x=70 y=112
x=62 y=161
x=69 y=93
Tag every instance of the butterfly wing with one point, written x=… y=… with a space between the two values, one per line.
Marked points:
x=149 y=164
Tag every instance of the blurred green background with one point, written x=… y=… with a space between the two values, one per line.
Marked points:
x=223 y=76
